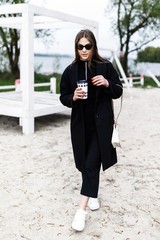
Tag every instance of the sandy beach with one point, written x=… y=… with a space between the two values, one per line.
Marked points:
x=39 y=185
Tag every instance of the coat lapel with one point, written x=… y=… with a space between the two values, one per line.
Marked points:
x=74 y=75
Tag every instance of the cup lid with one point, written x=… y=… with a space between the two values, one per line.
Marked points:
x=82 y=81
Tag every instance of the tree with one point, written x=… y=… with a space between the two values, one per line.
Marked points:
x=149 y=54
x=10 y=42
x=137 y=23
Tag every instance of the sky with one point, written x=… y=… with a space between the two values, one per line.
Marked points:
x=88 y=9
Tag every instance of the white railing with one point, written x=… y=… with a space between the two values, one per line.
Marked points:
x=7 y=87
x=17 y=86
x=135 y=80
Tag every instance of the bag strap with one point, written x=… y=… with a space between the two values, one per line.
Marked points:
x=116 y=119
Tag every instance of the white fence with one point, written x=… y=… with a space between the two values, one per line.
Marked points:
x=134 y=80
x=17 y=86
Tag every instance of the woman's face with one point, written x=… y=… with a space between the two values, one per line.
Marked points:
x=84 y=49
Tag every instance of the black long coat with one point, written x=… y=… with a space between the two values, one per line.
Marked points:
x=103 y=112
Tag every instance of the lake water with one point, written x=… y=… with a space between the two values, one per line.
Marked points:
x=144 y=67
x=47 y=64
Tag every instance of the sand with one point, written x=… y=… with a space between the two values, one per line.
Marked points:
x=39 y=184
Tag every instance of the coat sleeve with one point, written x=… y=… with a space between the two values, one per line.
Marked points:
x=115 y=88
x=66 y=89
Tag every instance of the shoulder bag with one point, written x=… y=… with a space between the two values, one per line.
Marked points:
x=115 y=134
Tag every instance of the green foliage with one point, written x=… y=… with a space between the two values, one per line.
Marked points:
x=148 y=82
x=6 y=78
x=149 y=54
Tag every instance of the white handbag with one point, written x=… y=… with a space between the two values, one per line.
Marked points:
x=115 y=134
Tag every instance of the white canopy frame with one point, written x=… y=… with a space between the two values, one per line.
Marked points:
x=30 y=18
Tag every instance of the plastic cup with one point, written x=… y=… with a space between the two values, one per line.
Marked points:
x=84 y=85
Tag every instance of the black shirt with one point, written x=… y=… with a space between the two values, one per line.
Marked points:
x=89 y=103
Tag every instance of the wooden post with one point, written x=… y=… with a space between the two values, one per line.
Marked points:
x=27 y=71
x=53 y=85
x=130 y=80
x=142 y=79
x=17 y=85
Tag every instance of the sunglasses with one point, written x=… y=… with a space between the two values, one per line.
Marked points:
x=87 y=46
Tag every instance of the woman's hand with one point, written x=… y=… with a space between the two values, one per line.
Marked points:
x=78 y=94
x=99 y=80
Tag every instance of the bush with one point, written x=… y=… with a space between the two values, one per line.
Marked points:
x=149 y=54
x=6 y=79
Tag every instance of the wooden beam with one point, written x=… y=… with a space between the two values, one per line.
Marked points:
x=27 y=71
x=20 y=8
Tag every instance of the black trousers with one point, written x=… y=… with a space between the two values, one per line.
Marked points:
x=91 y=173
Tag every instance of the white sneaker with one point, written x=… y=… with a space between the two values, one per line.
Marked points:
x=78 y=223
x=93 y=204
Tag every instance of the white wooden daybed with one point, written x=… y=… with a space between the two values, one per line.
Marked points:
x=29 y=104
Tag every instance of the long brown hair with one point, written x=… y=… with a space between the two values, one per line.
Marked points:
x=86 y=33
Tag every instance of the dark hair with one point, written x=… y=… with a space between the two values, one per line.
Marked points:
x=86 y=33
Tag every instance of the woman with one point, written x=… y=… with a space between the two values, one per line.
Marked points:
x=91 y=118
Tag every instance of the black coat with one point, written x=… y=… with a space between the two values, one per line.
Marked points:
x=103 y=112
